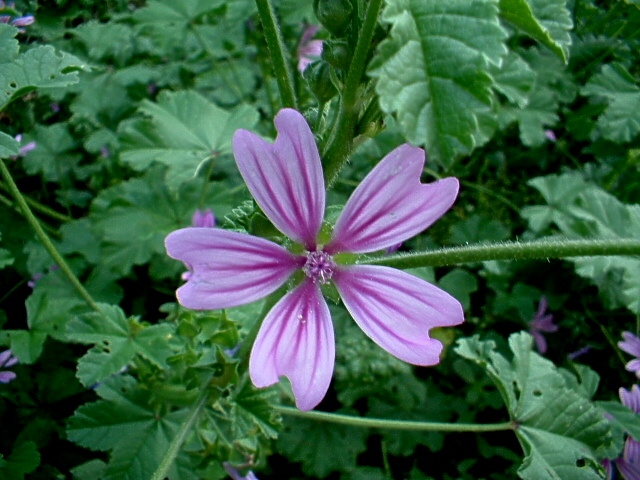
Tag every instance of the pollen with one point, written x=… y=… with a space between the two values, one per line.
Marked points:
x=319 y=266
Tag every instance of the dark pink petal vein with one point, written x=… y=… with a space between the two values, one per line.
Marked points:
x=296 y=340
x=285 y=177
x=396 y=310
x=228 y=268
x=391 y=205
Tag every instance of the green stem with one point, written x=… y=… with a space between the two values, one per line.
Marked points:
x=277 y=52
x=340 y=142
x=395 y=424
x=44 y=239
x=549 y=248
x=42 y=208
x=174 y=448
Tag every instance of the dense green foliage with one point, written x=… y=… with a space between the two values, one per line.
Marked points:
x=533 y=104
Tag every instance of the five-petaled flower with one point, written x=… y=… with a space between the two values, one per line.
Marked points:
x=542 y=322
x=296 y=339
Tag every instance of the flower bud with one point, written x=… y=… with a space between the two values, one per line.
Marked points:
x=337 y=54
x=334 y=15
x=318 y=77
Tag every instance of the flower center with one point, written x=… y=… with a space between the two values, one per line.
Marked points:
x=319 y=266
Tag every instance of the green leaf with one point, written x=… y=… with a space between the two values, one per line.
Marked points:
x=9 y=46
x=39 y=67
x=583 y=210
x=9 y=146
x=184 y=130
x=114 y=40
x=433 y=71
x=168 y=12
x=27 y=345
x=321 y=447
x=562 y=433
x=251 y=409
x=117 y=340
x=52 y=156
x=514 y=79
x=23 y=459
x=547 y=21
x=620 y=121
x=126 y=423
x=538 y=115
x=143 y=209
x=625 y=418
x=461 y=284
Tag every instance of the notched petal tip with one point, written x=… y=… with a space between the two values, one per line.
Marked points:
x=397 y=310
x=285 y=177
x=391 y=205
x=296 y=341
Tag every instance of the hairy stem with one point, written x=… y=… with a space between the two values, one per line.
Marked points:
x=538 y=249
x=277 y=51
x=174 y=448
x=341 y=139
x=395 y=424
x=44 y=239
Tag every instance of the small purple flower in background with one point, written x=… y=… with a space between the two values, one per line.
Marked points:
x=236 y=475
x=24 y=149
x=18 y=22
x=541 y=322
x=7 y=360
x=395 y=309
x=37 y=276
x=308 y=50
x=631 y=345
x=580 y=352
x=200 y=219
x=550 y=134
x=204 y=219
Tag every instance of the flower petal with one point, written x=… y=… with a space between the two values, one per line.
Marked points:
x=631 y=344
x=296 y=340
x=6 y=377
x=391 y=205
x=285 y=177
x=396 y=310
x=228 y=268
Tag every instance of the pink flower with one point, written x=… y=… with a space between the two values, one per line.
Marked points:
x=308 y=50
x=24 y=149
x=296 y=340
x=542 y=322
x=204 y=219
x=631 y=345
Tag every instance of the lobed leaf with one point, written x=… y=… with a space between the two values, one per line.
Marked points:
x=547 y=21
x=562 y=433
x=584 y=210
x=117 y=340
x=620 y=121
x=39 y=67
x=433 y=71
x=9 y=146
x=126 y=423
x=183 y=130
